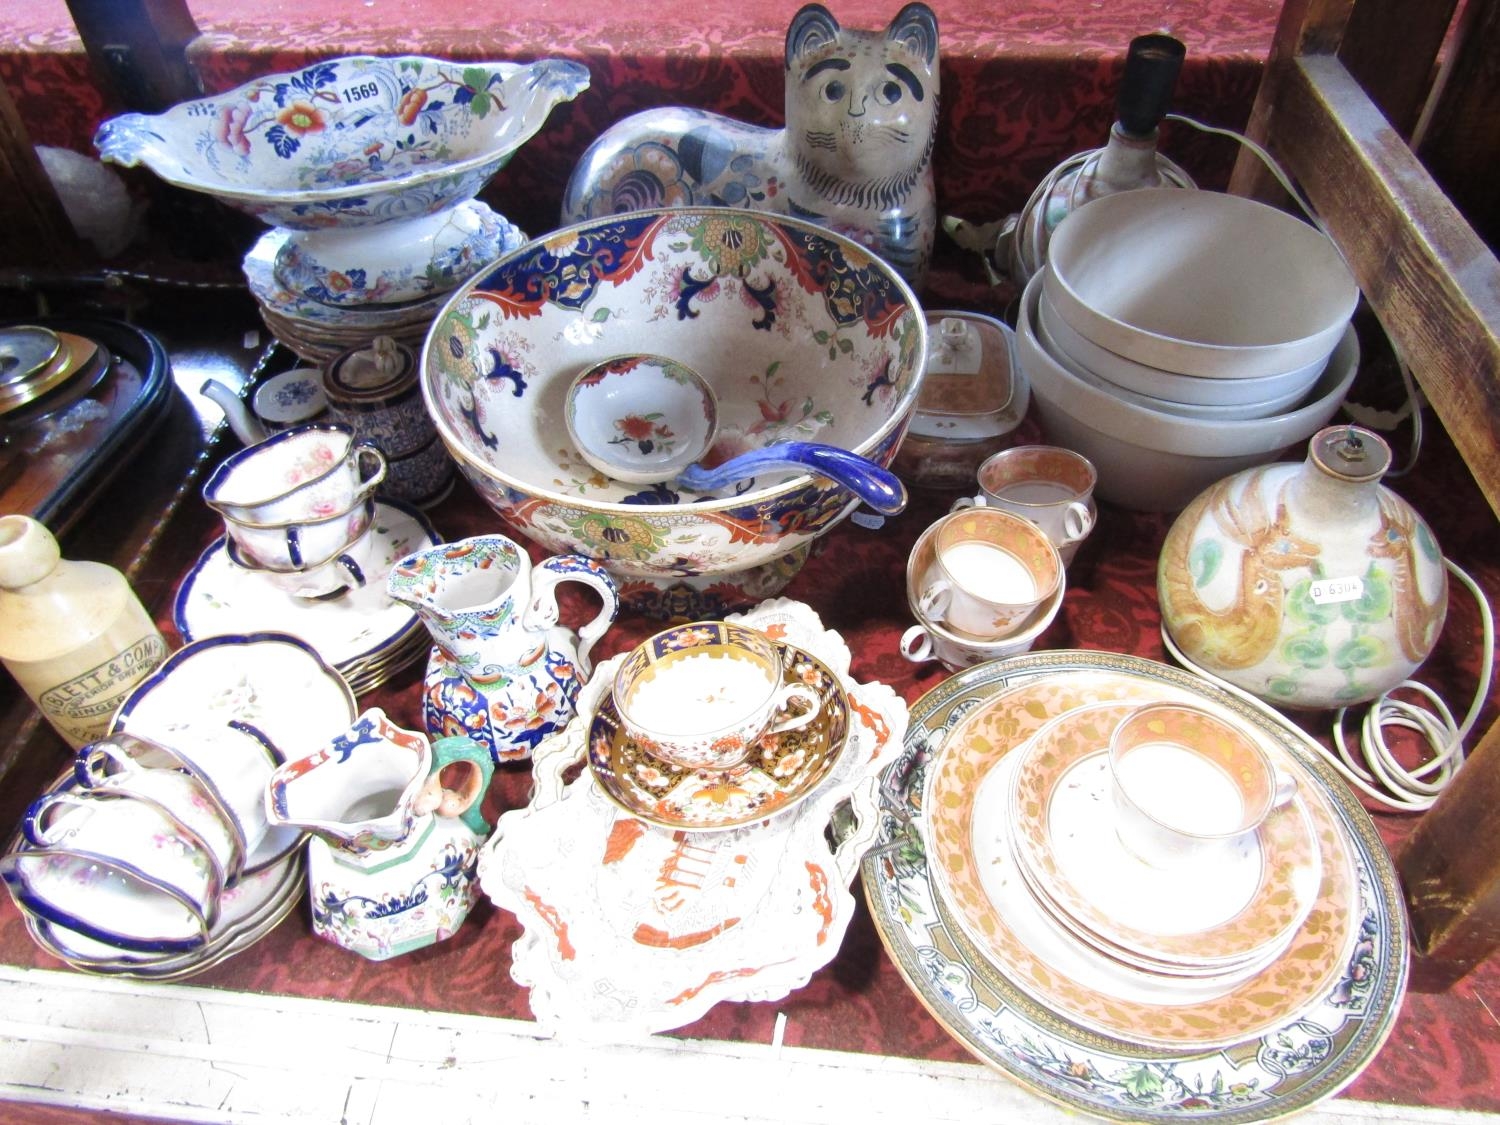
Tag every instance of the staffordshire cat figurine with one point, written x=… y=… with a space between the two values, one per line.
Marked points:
x=855 y=156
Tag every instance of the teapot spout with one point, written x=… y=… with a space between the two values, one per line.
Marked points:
x=245 y=425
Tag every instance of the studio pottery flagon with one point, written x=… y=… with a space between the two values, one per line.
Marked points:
x=502 y=670
x=1310 y=585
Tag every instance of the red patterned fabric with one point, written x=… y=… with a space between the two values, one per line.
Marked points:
x=1023 y=86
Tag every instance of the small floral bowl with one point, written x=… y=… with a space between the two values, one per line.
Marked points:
x=641 y=418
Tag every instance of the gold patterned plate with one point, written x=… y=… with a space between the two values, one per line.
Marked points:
x=781 y=772
x=1229 y=907
x=1267 y=1072
x=26 y=350
x=1174 y=1014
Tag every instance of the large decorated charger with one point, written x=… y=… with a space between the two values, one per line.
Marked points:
x=348 y=141
x=1302 y=1036
x=366 y=166
x=802 y=334
x=632 y=928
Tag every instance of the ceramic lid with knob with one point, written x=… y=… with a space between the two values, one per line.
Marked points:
x=370 y=376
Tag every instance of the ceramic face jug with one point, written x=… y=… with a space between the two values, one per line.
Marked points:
x=396 y=827
x=1309 y=585
x=502 y=671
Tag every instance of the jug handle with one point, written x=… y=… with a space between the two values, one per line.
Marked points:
x=543 y=613
x=469 y=782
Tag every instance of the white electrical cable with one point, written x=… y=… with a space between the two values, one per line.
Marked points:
x=1380 y=776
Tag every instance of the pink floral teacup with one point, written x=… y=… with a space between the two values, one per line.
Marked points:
x=304 y=474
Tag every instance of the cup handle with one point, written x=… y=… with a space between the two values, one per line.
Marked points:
x=362 y=452
x=351 y=570
x=968 y=502
x=1078 y=521
x=1286 y=789
x=935 y=600
x=916 y=645
x=543 y=613
x=788 y=694
x=37 y=821
x=91 y=766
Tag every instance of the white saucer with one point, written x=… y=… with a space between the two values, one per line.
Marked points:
x=350 y=631
x=1232 y=905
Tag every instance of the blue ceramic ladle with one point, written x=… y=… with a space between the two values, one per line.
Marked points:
x=876 y=485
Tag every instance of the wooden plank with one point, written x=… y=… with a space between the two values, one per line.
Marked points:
x=1450 y=874
x=181 y=1052
x=1459 y=140
x=1303 y=26
x=1391 y=48
x=37 y=231
x=1431 y=281
x=140 y=48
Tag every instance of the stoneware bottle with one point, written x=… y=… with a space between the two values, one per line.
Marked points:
x=73 y=634
x=1309 y=585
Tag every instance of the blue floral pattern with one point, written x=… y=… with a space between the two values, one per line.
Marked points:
x=349 y=141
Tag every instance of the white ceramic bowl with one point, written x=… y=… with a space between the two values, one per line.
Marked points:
x=1200 y=283
x=802 y=334
x=1151 y=461
x=1251 y=397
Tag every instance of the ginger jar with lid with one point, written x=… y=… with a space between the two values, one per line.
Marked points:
x=1309 y=585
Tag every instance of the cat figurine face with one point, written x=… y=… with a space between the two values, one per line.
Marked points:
x=855 y=156
x=861 y=106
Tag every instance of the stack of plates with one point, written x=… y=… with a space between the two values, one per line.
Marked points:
x=1243 y=989
x=248 y=910
x=320 y=332
x=1052 y=799
x=366 y=635
x=292 y=698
